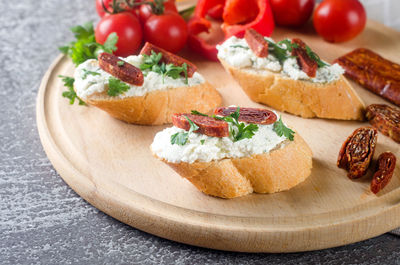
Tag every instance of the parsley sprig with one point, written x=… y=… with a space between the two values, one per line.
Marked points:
x=282 y=51
x=315 y=57
x=85 y=46
x=70 y=93
x=116 y=87
x=181 y=138
x=281 y=129
x=195 y=112
x=239 y=130
x=278 y=51
x=87 y=72
x=152 y=63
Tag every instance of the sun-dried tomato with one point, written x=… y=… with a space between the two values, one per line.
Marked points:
x=384 y=171
x=386 y=119
x=357 y=152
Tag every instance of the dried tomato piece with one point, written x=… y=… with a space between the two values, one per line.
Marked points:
x=357 y=152
x=120 y=69
x=256 y=42
x=383 y=175
x=207 y=125
x=168 y=57
x=249 y=115
x=373 y=72
x=386 y=119
x=307 y=64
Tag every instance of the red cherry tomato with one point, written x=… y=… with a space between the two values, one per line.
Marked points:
x=168 y=31
x=108 y=4
x=292 y=13
x=128 y=29
x=145 y=10
x=339 y=20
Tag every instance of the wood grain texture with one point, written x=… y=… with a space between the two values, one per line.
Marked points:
x=109 y=163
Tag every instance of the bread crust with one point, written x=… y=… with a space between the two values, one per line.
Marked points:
x=278 y=170
x=157 y=107
x=335 y=100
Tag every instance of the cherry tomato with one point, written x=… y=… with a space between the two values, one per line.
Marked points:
x=338 y=20
x=128 y=29
x=292 y=13
x=168 y=31
x=145 y=10
x=108 y=4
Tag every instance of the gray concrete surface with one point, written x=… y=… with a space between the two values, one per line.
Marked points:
x=42 y=221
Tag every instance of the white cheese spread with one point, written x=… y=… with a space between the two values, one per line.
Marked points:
x=87 y=84
x=236 y=52
x=214 y=148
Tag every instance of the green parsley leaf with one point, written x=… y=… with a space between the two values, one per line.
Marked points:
x=111 y=42
x=173 y=71
x=202 y=141
x=150 y=60
x=120 y=63
x=64 y=49
x=85 y=46
x=239 y=130
x=289 y=45
x=152 y=63
x=84 y=31
x=187 y=13
x=70 y=93
x=181 y=138
x=195 y=112
x=284 y=53
x=239 y=46
x=86 y=73
x=281 y=129
x=193 y=126
x=116 y=87
x=280 y=53
x=315 y=57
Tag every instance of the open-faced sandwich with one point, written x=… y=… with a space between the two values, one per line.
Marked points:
x=144 y=89
x=289 y=76
x=234 y=152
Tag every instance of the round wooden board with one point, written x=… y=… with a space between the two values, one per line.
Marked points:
x=109 y=164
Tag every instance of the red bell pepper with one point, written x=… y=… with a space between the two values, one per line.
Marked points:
x=237 y=16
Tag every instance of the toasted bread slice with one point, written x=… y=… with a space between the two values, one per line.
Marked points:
x=278 y=170
x=334 y=100
x=157 y=107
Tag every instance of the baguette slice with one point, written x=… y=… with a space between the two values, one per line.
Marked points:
x=334 y=100
x=278 y=170
x=157 y=107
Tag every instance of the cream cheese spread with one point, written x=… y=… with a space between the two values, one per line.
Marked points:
x=87 y=84
x=236 y=52
x=214 y=148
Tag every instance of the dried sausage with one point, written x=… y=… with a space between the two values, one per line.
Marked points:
x=386 y=119
x=249 y=115
x=373 y=72
x=385 y=168
x=207 y=125
x=307 y=64
x=169 y=58
x=256 y=42
x=357 y=152
x=120 y=69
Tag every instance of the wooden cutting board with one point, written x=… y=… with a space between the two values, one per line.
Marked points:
x=109 y=164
